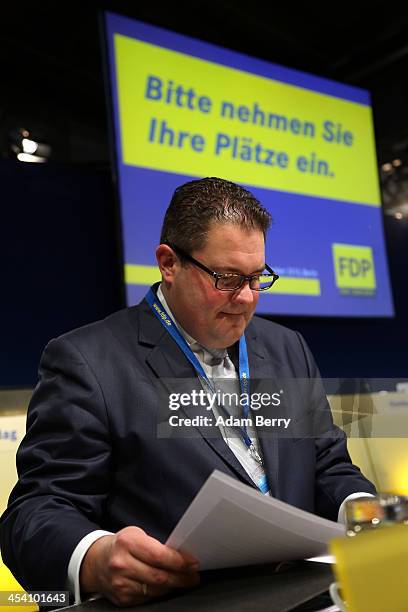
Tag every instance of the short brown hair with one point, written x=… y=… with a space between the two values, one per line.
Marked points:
x=196 y=204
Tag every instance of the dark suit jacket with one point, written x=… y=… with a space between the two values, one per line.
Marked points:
x=92 y=459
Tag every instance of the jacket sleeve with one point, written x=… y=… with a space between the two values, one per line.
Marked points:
x=64 y=468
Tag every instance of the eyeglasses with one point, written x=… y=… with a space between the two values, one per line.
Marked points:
x=231 y=281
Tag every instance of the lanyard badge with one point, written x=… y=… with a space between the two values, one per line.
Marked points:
x=244 y=379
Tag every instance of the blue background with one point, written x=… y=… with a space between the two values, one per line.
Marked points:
x=304 y=227
x=64 y=269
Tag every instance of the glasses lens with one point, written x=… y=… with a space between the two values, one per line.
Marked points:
x=228 y=282
x=262 y=282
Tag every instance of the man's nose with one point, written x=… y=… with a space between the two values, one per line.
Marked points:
x=245 y=294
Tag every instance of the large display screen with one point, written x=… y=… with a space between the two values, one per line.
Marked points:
x=303 y=145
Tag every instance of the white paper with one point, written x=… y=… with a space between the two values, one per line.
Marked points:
x=230 y=524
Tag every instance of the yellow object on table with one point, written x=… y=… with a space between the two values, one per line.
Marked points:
x=13 y=409
x=9 y=583
x=372 y=569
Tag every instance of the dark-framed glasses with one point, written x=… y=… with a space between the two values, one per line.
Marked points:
x=231 y=281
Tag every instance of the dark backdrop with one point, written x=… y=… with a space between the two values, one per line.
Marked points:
x=61 y=268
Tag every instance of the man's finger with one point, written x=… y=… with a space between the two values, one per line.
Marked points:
x=128 y=592
x=131 y=592
x=154 y=553
x=138 y=571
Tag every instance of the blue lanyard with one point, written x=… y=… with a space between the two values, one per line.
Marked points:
x=244 y=379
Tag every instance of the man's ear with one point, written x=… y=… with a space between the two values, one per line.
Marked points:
x=168 y=262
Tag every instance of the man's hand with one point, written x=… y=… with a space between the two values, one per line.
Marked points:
x=130 y=565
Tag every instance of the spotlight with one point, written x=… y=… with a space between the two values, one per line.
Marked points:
x=394 y=184
x=29 y=146
x=28 y=149
x=27 y=157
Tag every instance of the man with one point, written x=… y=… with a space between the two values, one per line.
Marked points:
x=99 y=491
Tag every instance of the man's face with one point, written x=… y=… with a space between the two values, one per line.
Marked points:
x=217 y=319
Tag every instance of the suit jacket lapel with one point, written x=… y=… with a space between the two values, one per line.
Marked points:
x=171 y=366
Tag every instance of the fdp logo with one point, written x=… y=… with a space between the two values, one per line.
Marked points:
x=354 y=269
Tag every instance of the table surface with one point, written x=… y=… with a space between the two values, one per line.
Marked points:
x=249 y=589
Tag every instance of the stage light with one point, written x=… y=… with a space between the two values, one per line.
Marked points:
x=27 y=157
x=394 y=184
x=29 y=146
x=26 y=148
x=386 y=167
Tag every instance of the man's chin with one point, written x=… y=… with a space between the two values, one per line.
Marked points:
x=228 y=337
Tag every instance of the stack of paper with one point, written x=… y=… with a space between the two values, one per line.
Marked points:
x=230 y=524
